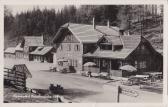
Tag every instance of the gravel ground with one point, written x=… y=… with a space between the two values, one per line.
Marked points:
x=78 y=88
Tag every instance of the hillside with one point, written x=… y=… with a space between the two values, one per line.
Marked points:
x=152 y=30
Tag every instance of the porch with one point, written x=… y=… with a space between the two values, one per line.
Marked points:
x=104 y=65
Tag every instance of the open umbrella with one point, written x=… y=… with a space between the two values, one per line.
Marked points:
x=128 y=68
x=89 y=64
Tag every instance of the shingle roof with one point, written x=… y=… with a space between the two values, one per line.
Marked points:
x=86 y=33
x=33 y=40
x=122 y=54
x=115 y=40
x=42 y=50
x=10 y=50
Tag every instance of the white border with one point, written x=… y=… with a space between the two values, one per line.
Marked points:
x=94 y=2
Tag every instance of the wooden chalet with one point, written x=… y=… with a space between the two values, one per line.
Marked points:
x=42 y=54
x=114 y=52
x=108 y=47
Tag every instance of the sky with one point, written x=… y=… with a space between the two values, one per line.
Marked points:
x=23 y=8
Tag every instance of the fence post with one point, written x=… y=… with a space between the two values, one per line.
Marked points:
x=24 y=81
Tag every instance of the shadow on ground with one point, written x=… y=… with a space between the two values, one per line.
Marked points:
x=78 y=93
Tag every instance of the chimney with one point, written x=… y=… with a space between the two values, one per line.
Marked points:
x=94 y=23
x=108 y=23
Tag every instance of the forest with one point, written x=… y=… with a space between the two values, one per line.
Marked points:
x=46 y=22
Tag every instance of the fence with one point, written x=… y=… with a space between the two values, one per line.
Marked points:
x=16 y=78
x=117 y=91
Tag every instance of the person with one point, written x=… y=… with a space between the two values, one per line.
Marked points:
x=89 y=73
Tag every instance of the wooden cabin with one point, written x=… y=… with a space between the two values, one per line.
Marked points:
x=16 y=74
x=42 y=54
x=106 y=46
x=30 y=43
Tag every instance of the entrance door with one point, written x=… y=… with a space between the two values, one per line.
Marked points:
x=104 y=65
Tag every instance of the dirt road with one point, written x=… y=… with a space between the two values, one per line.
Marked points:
x=78 y=88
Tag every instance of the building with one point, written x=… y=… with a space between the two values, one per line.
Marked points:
x=19 y=51
x=30 y=43
x=114 y=52
x=42 y=54
x=72 y=41
x=106 y=46
x=9 y=52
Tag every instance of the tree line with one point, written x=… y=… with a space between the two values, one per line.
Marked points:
x=47 y=21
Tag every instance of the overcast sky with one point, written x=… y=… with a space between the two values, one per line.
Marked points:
x=23 y=8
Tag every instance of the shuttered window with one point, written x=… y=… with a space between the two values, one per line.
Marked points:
x=77 y=47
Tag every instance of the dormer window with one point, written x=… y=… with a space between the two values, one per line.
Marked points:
x=105 y=46
x=117 y=47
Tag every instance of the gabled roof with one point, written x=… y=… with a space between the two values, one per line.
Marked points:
x=20 y=68
x=42 y=50
x=33 y=40
x=130 y=43
x=86 y=33
x=10 y=50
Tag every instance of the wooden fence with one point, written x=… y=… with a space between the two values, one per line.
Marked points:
x=16 y=78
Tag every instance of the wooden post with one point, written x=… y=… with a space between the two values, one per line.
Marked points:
x=118 y=93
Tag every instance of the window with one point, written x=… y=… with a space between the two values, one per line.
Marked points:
x=77 y=48
x=106 y=47
x=69 y=47
x=143 y=64
x=68 y=38
x=61 y=47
